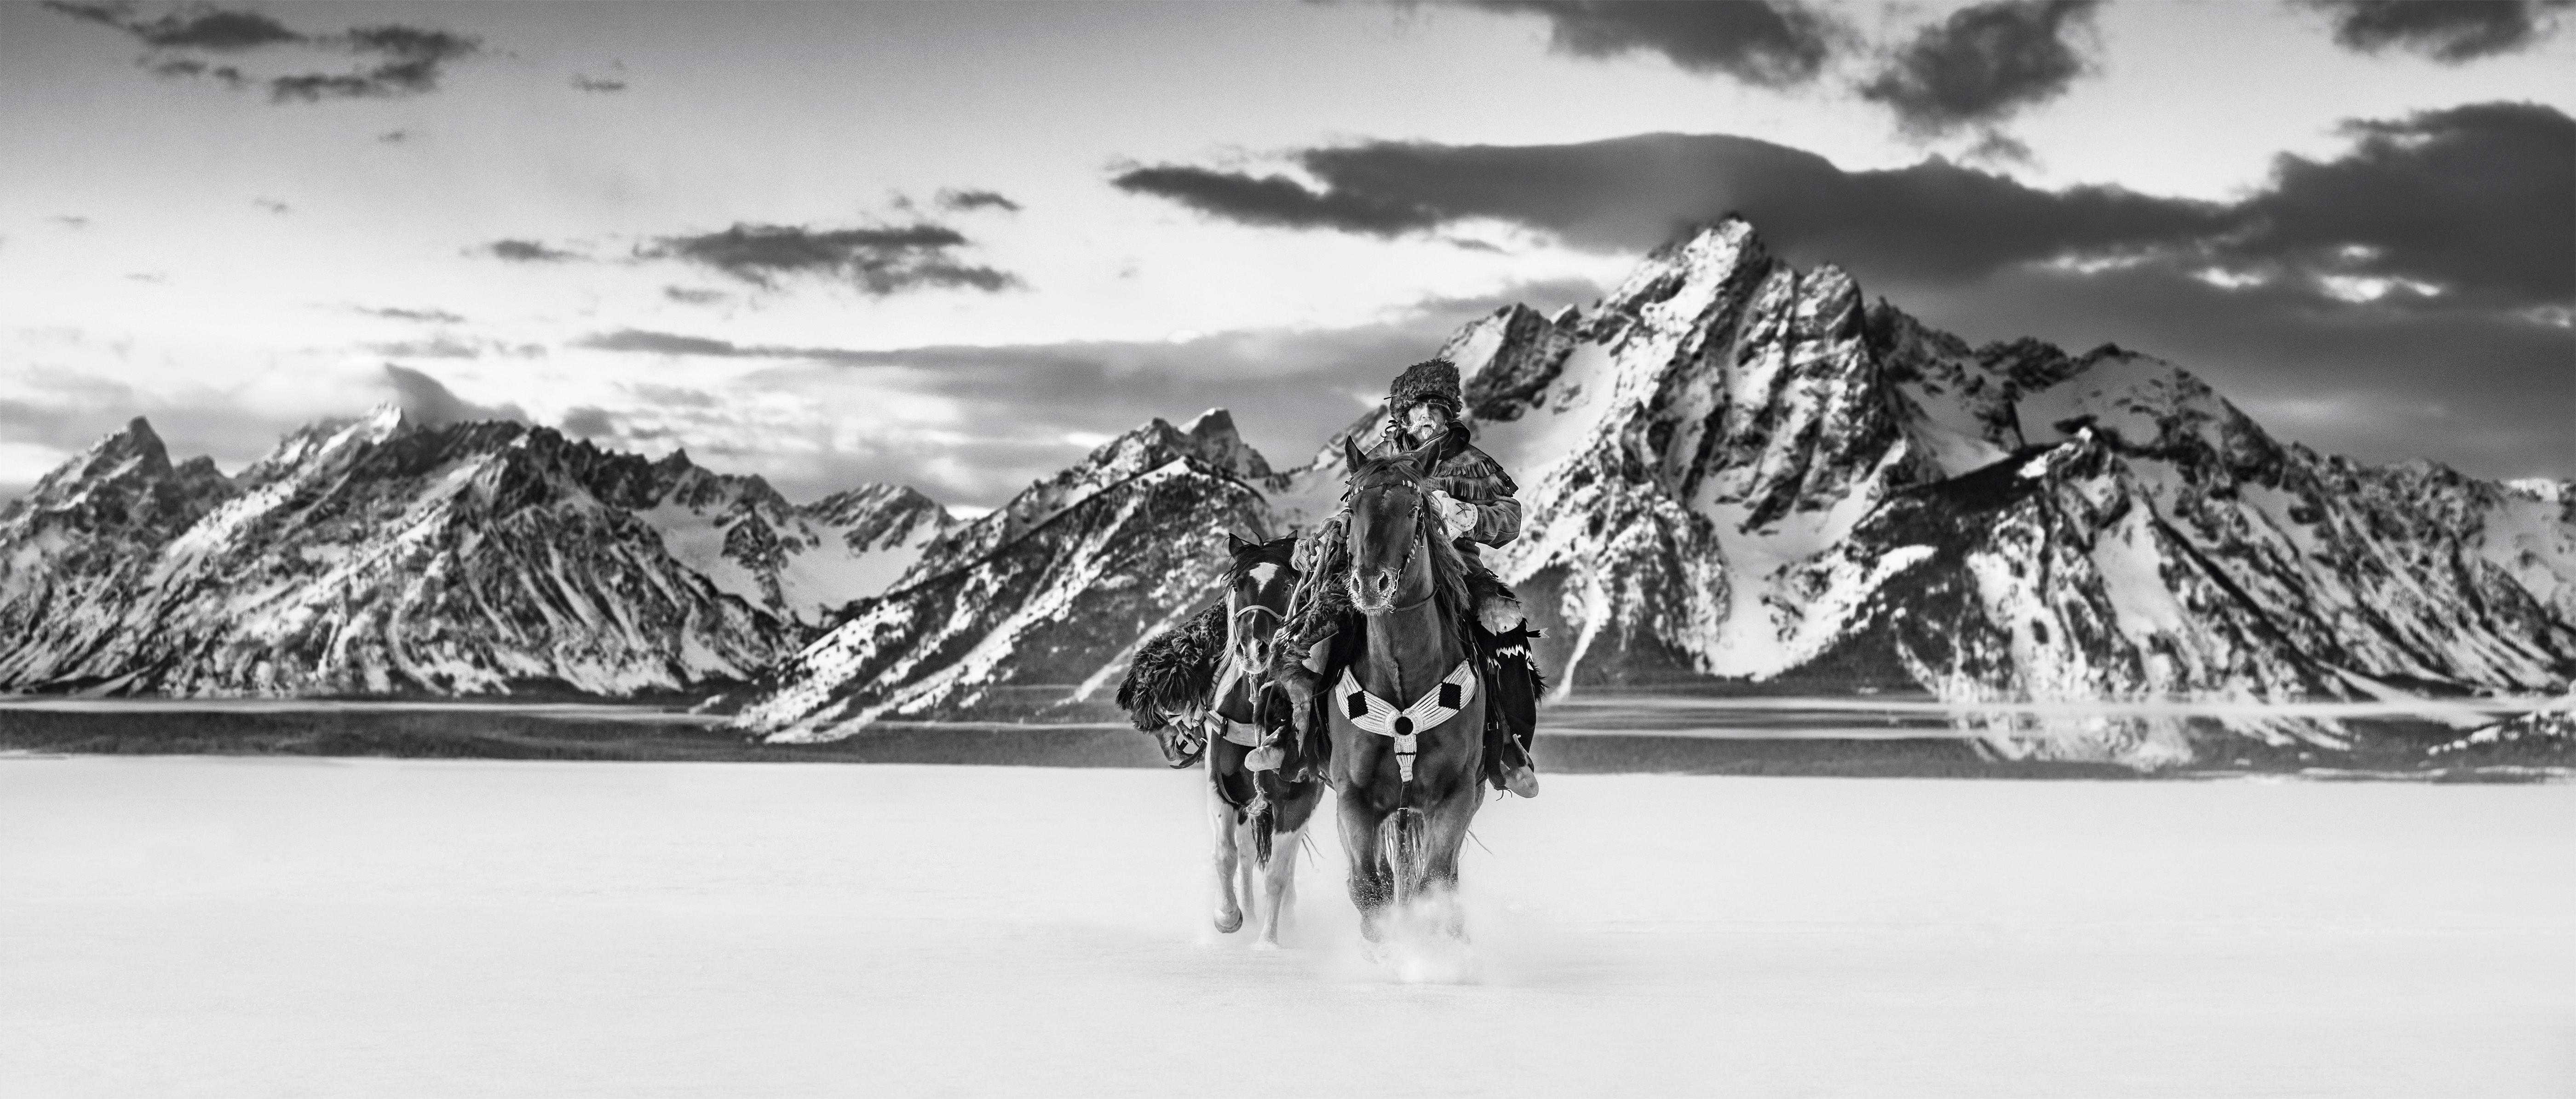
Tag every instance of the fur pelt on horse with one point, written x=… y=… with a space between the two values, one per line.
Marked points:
x=1174 y=670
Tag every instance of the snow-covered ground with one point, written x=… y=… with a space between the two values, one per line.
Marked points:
x=399 y=927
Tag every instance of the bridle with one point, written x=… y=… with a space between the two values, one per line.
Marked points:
x=1412 y=546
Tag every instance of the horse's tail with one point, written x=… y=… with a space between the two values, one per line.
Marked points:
x=1400 y=843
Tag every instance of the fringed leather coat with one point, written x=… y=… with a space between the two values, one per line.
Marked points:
x=1470 y=476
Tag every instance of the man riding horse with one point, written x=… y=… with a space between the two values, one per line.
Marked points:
x=1473 y=499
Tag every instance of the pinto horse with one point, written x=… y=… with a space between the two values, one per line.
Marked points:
x=1180 y=679
x=1406 y=719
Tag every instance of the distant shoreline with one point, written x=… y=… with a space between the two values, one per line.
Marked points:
x=1636 y=734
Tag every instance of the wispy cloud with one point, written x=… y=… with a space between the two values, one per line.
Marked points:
x=428 y=401
x=963 y=200
x=431 y=316
x=525 y=251
x=980 y=422
x=876 y=260
x=397 y=60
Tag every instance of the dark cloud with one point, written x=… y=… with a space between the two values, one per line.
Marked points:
x=1281 y=201
x=877 y=260
x=1775 y=43
x=954 y=199
x=432 y=316
x=588 y=422
x=525 y=251
x=406 y=60
x=597 y=83
x=1935 y=219
x=202 y=27
x=2471 y=201
x=2488 y=393
x=2449 y=31
x=425 y=400
x=1982 y=64
x=2429 y=267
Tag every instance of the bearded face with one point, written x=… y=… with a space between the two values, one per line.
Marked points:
x=1425 y=421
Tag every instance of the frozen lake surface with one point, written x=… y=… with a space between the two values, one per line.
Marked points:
x=359 y=927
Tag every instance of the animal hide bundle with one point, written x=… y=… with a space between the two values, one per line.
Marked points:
x=1174 y=670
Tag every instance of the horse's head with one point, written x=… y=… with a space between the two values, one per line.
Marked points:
x=1256 y=596
x=1391 y=524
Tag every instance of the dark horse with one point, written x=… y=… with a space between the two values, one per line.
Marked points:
x=1406 y=718
x=1207 y=676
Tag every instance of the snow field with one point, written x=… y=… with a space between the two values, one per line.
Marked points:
x=433 y=928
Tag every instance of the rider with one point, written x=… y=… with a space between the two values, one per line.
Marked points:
x=1473 y=498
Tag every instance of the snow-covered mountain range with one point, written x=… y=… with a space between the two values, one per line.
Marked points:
x=1738 y=475
x=383 y=556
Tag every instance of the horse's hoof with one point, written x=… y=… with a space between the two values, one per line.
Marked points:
x=1228 y=923
x=1266 y=944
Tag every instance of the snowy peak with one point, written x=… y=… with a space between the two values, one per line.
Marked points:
x=122 y=483
x=1677 y=284
x=1211 y=438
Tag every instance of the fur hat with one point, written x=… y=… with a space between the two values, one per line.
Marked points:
x=1429 y=380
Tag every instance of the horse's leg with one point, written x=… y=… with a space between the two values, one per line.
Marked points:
x=1445 y=836
x=1277 y=880
x=1228 y=914
x=1371 y=882
x=1247 y=869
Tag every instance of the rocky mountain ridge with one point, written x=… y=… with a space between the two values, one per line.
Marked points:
x=383 y=556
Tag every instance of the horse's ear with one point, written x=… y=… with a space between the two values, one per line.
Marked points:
x=1234 y=543
x=1351 y=455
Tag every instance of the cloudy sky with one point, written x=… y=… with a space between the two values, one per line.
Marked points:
x=955 y=245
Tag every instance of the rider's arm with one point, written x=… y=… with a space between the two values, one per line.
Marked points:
x=1497 y=521
x=1479 y=482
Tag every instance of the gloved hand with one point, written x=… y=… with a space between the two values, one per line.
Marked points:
x=1456 y=516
